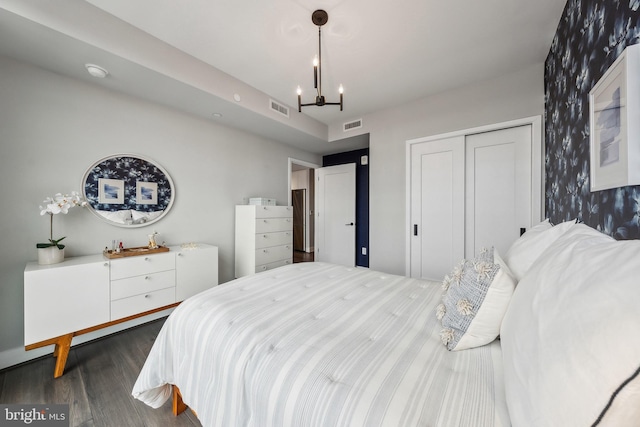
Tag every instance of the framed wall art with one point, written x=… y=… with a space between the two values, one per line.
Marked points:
x=111 y=191
x=614 y=119
x=146 y=193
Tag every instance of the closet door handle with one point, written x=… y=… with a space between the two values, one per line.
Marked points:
x=415 y=229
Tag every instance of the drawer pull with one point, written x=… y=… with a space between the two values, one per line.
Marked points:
x=106 y=264
x=147 y=278
x=147 y=296
x=147 y=258
x=264 y=236
x=265 y=251
x=179 y=253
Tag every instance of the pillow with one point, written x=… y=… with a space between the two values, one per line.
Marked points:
x=614 y=414
x=526 y=250
x=478 y=293
x=142 y=217
x=570 y=337
x=120 y=217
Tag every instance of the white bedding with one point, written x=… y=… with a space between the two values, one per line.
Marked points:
x=316 y=344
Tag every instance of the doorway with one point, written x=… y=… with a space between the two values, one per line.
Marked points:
x=304 y=175
x=301 y=198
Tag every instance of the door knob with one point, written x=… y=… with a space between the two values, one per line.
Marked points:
x=349 y=223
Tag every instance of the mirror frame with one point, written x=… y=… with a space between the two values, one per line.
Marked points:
x=130 y=190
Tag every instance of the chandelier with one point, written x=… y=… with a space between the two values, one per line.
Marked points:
x=319 y=18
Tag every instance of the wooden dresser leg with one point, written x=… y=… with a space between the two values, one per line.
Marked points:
x=178 y=405
x=61 y=351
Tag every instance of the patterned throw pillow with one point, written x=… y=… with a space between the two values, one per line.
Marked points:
x=477 y=295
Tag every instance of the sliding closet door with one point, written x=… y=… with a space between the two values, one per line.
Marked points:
x=498 y=188
x=468 y=191
x=437 y=207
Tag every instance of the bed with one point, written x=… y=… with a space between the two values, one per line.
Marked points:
x=317 y=344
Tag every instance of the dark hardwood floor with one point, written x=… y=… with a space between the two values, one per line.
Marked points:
x=299 y=256
x=97 y=383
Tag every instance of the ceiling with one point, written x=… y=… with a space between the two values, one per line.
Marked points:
x=228 y=56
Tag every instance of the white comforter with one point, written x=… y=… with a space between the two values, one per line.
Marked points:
x=316 y=344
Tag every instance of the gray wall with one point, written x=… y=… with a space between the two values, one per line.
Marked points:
x=52 y=128
x=504 y=98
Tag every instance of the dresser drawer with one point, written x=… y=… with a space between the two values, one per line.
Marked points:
x=139 y=265
x=274 y=211
x=130 y=286
x=272 y=254
x=265 y=240
x=272 y=265
x=141 y=303
x=269 y=225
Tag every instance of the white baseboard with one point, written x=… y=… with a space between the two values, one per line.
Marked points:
x=18 y=355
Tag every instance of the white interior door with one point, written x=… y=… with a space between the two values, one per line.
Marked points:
x=437 y=207
x=336 y=214
x=498 y=188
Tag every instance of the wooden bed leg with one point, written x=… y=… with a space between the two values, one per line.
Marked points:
x=178 y=405
x=61 y=351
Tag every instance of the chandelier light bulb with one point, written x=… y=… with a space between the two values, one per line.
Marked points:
x=341 y=90
x=299 y=91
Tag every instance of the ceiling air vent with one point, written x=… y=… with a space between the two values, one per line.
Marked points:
x=356 y=124
x=279 y=108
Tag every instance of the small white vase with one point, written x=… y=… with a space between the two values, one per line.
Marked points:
x=50 y=255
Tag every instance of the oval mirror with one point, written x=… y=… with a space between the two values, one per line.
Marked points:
x=128 y=190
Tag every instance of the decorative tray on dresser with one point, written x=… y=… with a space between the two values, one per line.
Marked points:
x=137 y=251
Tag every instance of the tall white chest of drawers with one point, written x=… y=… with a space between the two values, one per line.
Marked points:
x=264 y=238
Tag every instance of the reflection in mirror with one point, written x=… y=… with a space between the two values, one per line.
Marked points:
x=128 y=190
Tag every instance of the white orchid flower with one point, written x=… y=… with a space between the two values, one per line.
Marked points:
x=59 y=203
x=54 y=208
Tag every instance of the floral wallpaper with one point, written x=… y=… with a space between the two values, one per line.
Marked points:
x=124 y=182
x=591 y=35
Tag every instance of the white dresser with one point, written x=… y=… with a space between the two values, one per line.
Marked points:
x=264 y=238
x=87 y=293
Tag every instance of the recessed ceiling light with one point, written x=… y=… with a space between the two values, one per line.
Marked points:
x=217 y=115
x=96 y=71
